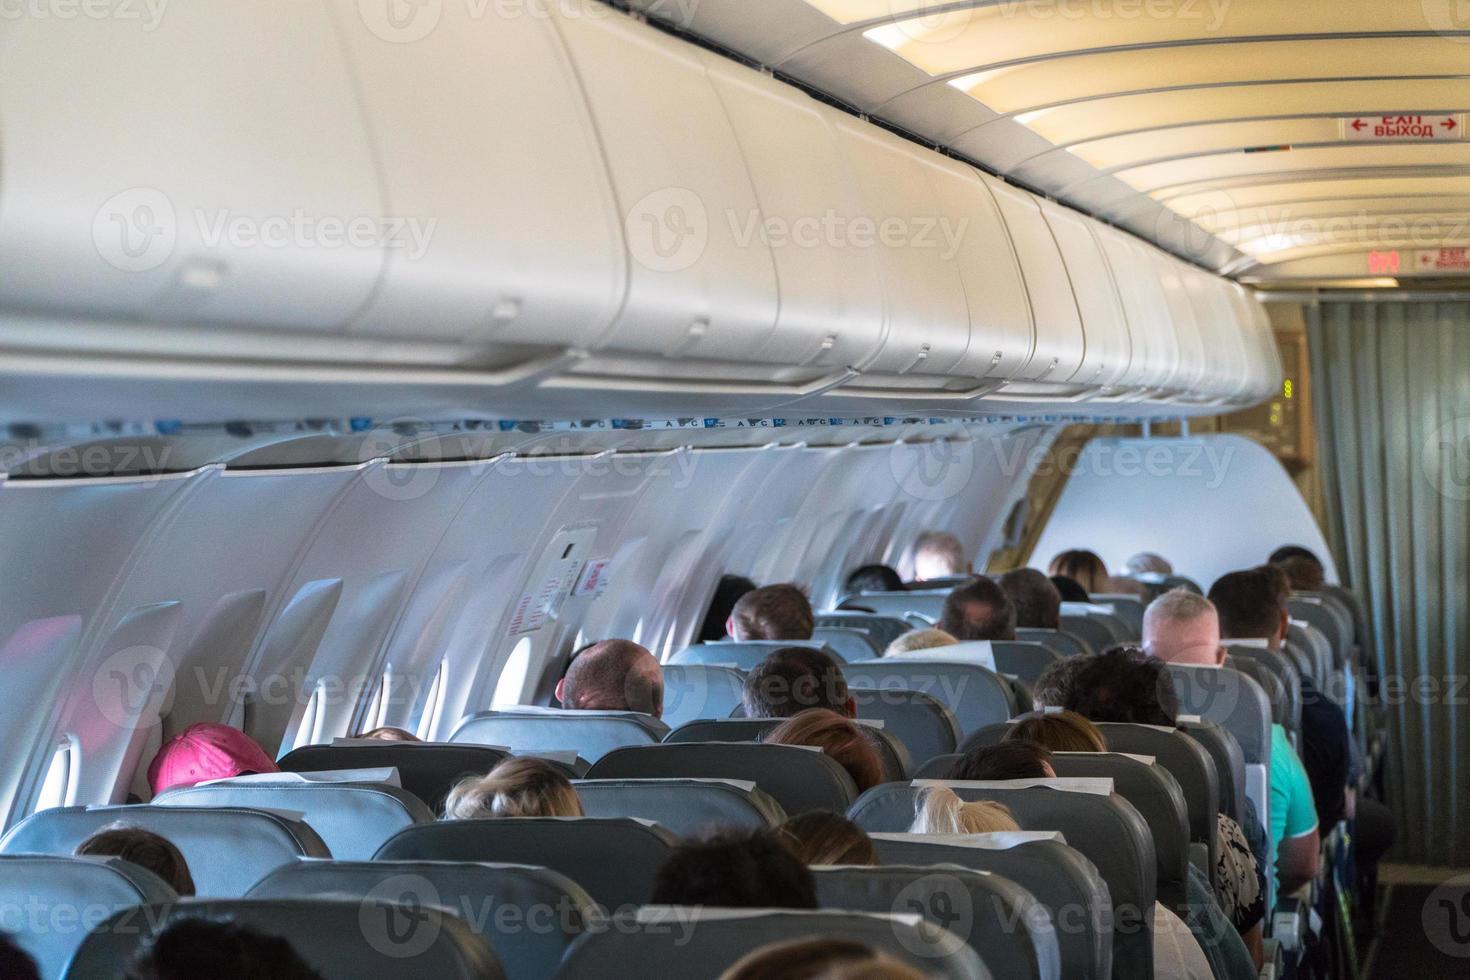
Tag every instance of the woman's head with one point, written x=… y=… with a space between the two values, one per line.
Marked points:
x=820 y=837
x=1083 y=567
x=519 y=787
x=143 y=848
x=941 y=811
x=1008 y=760
x=1058 y=731
x=206 y=751
x=839 y=737
x=390 y=734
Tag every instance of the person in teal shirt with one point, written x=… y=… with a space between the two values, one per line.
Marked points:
x=1295 y=843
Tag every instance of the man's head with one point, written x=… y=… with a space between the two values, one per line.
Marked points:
x=1304 y=574
x=1252 y=605
x=1037 y=602
x=144 y=849
x=938 y=554
x=794 y=679
x=1148 y=566
x=776 y=612
x=873 y=578
x=1182 y=628
x=1008 y=760
x=614 y=675
x=1293 y=551
x=190 y=947
x=978 y=610
x=1056 y=687
x=1125 y=685
x=735 y=870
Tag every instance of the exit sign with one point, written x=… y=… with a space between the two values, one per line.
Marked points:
x=1406 y=128
x=1443 y=260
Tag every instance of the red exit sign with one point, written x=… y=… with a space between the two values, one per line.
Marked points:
x=1383 y=263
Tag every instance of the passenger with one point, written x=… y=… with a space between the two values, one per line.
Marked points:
x=978 y=610
x=1085 y=568
x=776 y=612
x=823 y=838
x=206 y=751
x=735 y=870
x=614 y=675
x=1293 y=551
x=1056 y=687
x=1036 y=600
x=1124 y=685
x=1008 y=760
x=16 y=963
x=729 y=591
x=941 y=811
x=794 y=679
x=1252 y=612
x=1148 y=567
x=1304 y=574
x=193 y=947
x=873 y=578
x=387 y=734
x=143 y=848
x=823 y=958
x=924 y=639
x=1058 y=731
x=939 y=555
x=518 y=787
x=1070 y=589
x=837 y=736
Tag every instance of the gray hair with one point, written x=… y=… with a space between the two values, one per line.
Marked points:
x=1176 y=606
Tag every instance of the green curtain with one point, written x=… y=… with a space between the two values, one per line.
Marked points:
x=1391 y=384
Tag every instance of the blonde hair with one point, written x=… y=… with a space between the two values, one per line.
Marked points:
x=941 y=811
x=925 y=639
x=519 y=787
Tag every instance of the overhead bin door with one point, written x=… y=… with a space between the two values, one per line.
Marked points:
x=928 y=324
x=696 y=289
x=1189 y=373
x=1155 y=347
x=1222 y=335
x=481 y=129
x=831 y=302
x=1001 y=334
x=1263 y=359
x=1059 y=340
x=153 y=170
x=1107 y=346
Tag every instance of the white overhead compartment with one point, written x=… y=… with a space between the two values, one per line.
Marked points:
x=1059 y=342
x=206 y=168
x=1189 y=377
x=1107 y=347
x=1150 y=326
x=1222 y=334
x=831 y=300
x=483 y=138
x=695 y=290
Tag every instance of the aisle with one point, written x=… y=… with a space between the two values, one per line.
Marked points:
x=1425 y=933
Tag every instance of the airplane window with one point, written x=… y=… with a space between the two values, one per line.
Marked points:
x=378 y=707
x=512 y=683
x=60 y=785
x=433 y=704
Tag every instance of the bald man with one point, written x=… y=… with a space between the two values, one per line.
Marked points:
x=1183 y=628
x=614 y=675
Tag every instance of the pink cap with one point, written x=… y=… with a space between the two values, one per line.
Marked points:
x=206 y=751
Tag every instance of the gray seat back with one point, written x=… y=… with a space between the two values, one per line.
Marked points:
x=896 y=758
x=1277 y=677
x=1023 y=658
x=550 y=910
x=922 y=723
x=428 y=770
x=591 y=733
x=341 y=938
x=693 y=691
x=688 y=807
x=1328 y=615
x=703 y=943
x=353 y=819
x=1060 y=878
x=1063 y=643
x=1004 y=923
x=744 y=655
x=977 y=696
x=47 y=901
x=927 y=603
x=1224 y=751
x=848 y=643
x=227 y=849
x=1312 y=646
x=1128 y=609
x=883 y=629
x=1190 y=765
x=1231 y=700
x=614 y=859
x=798 y=779
x=1098 y=635
x=1108 y=831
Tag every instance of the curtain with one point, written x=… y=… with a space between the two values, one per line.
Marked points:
x=1392 y=409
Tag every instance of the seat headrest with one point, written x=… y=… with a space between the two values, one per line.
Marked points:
x=688 y=807
x=744 y=654
x=341 y=938
x=428 y=770
x=591 y=733
x=228 y=849
x=693 y=691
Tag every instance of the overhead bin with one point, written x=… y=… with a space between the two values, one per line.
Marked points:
x=482 y=135
x=1191 y=369
x=1155 y=348
x=1220 y=333
x=1107 y=346
x=1057 y=354
x=207 y=169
